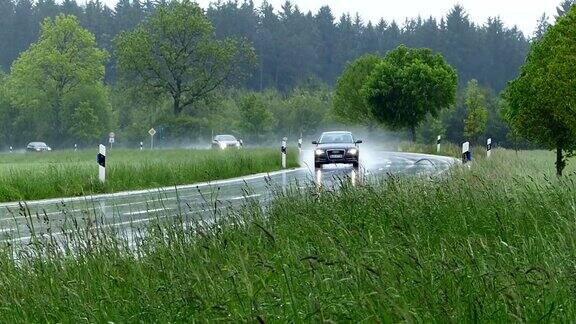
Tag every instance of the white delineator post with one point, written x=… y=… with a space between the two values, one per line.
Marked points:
x=466 y=155
x=10 y=149
x=101 y=159
x=283 y=151
x=300 y=145
x=438 y=142
x=75 y=147
x=141 y=146
x=489 y=148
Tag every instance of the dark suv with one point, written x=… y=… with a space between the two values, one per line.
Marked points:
x=336 y=147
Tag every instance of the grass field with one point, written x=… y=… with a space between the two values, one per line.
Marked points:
x=28 y=176
x=493 y=243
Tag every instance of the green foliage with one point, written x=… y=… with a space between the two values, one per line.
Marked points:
x=256 y=120
x=174 y=54
x=350 y=104
x=541 y=101
x=477 y=112
x=304 y=112
x=408 y=85
x=47 y=80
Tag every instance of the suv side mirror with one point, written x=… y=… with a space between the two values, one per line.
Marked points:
x=315 y=142
x=359 y=142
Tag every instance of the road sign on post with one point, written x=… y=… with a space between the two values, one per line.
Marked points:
x=152 y=132
x=284 y=151
x=489 y=147
x=466 y=154
x=438 y=142
x=111 y=138
x=101 y=160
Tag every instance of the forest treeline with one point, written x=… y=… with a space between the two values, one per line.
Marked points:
x=299 y=56
x=293 y=46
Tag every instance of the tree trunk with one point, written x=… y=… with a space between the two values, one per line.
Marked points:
x=413 y=134
x=560 y=162
x=177 y=106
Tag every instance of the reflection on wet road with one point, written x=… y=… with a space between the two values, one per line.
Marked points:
x=132 y=211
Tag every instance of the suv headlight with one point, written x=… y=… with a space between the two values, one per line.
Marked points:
x=353 y=151
x=319 y=152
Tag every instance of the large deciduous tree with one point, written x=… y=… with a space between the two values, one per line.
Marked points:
x=350 y=105
x=408 y=85
x=58 y=81
x=175 y=53
x=542 y=100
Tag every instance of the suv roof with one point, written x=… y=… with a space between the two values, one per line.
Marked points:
x=337 y=132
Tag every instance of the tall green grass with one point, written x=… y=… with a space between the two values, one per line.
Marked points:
x=28 y=176
x=494 y=243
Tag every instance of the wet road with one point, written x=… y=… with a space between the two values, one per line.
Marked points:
x=205 y=202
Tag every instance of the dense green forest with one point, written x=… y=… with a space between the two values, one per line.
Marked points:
x=298 y=58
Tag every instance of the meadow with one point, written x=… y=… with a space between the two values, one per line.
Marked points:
x=493 y=243
x=30 y=176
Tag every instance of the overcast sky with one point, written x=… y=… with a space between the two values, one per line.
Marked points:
x=523 y=13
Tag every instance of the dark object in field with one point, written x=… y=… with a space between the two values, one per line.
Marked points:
x=336 y=147
x=38 y=147
x=223 y=142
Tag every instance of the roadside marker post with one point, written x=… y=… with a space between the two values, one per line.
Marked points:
x=438 y=142
x=152 y=132
x=75 y=147
x=466 y=154
x=284 y=151
x=141 y=146
x=489 y=148
x=10 y=149
x=300 y=144
x=101 y=160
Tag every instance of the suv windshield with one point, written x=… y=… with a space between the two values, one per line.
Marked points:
x=227 y=138
x=336 y=138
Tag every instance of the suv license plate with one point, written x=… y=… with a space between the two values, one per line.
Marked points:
x=337 y=156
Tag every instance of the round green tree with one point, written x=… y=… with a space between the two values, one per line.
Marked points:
x=542 y=100
x=58 y=84
x=408 y=85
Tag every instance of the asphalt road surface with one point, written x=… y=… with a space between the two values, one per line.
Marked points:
x=132 y=211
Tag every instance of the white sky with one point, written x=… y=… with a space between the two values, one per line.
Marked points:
x=522 y=13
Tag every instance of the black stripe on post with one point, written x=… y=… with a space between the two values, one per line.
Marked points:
x=101 y=160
